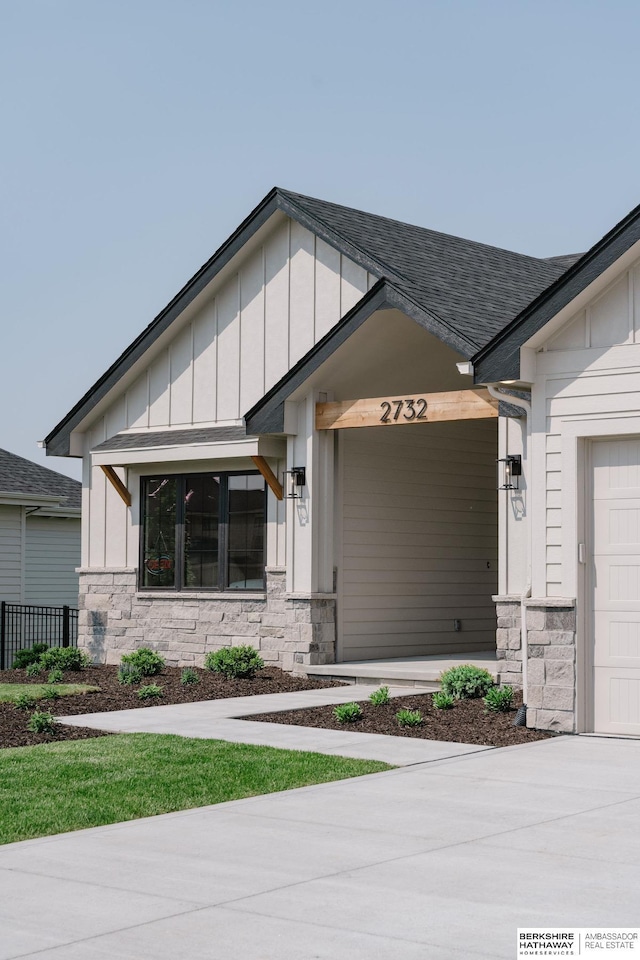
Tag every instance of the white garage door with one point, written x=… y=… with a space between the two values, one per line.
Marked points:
x=616 y=593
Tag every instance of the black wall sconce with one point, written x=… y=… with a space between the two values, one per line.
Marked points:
x=509 y=475
x=297 y=480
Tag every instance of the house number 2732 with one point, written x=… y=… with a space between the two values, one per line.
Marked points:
x=395 y=410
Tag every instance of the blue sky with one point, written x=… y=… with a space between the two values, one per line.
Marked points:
x=136 y=136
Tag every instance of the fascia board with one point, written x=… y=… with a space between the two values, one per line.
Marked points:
x=27 y=499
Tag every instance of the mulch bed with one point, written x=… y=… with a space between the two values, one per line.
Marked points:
x=465 y=722
x=116 y=696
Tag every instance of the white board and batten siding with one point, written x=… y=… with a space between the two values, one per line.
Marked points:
x=258 y=322
x=419 y=540
x=587 y=373
x=52 y=554
x=11 y=562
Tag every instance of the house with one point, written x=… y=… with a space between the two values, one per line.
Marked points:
x=39 y=534
x=300 y=452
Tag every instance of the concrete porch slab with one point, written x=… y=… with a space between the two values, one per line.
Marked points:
x=409 y=671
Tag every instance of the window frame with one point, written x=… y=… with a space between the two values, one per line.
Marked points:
x=223 y=533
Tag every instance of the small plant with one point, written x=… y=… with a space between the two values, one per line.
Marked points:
x=379 y=697
x=50 y=693
x=24 y=701
x=129 y=674
x=150 y=692
x=33 y=670
x=41 y=722
x=189 y=676
x=466 y=682
x=499 y=699
x=64 y=658
x=55 y=675
x=442 y=701
x=28 y=655
x=409 y=718
x=147 y=661
x=347 y=712
x=234 y=662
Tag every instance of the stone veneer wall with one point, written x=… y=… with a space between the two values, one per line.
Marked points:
x=290 y=632
x=551 y=664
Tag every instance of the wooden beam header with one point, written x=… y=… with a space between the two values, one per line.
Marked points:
x=418 y=408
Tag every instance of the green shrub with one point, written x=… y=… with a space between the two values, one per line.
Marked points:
x=379 y=697
x=129 y=674
x=235 y=662
x=409 y=718
x=64 y=658
x=189 y=676
x=33 y=670
x=28 y=655
x=50 y=693
x=24 y=701
x=442 y=701
x=499 y=699
x=41 y=722
x=466 y=682
x=347 y=712
x=147 y=661
x=55 y=675
x=150 y=692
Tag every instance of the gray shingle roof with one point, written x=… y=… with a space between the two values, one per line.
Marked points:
x=20 y=476
x=475 y=289
x=166 y=438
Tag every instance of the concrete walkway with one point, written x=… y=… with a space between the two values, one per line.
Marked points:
x=217 y=720
x=438 y=861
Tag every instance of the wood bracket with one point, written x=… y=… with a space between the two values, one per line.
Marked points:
x=117 y=484
x=270 y=478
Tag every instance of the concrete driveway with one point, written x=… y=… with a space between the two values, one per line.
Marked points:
x=435 y=861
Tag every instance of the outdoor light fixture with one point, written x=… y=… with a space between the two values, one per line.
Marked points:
x=297 y=480
x=510 y=473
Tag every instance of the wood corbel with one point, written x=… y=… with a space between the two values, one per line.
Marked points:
x=269 y=476
x=117 y=484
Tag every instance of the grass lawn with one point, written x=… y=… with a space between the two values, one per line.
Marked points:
x=57 y=787
x=9 y=691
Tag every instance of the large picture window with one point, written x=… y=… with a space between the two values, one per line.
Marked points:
x=203 y=531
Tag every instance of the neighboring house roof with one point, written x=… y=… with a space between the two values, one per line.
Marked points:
x=20 y=477
x=500 y=358
x=462 y=291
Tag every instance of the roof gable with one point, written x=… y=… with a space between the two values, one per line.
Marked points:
x=500 y=358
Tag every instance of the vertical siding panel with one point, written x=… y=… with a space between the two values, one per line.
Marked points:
x=10 y=553
x=276 y=360
x=97 y=514
x=52 y=555
x=116 y=417
x=116 y=515
x=228 y=376
x=301 y=293
x=353 y=284
x=137 y=402
x=159 y=403
x=86 y=502
x=204 y=365
x=327 y=288
x=180 y=364
x=252 y=332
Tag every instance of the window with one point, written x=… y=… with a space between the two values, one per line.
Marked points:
x=203 y=532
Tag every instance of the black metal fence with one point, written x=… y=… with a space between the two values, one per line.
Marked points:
x=22 y=625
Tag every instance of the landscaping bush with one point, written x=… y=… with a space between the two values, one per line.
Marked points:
x=499 y=699
x=235 y=662
x=64 y=658
x=147 y=661
x=409 y=718
x=442 y=701
x=24 y=701
x=150 y=692
x=189 y=676
x=347 y=712
x=379 y=697
x=29 y=655
x=466 y=682
x=41 y=722
x=128 y=673
x=50 y=693
x=34 y=670
x=55 y=675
